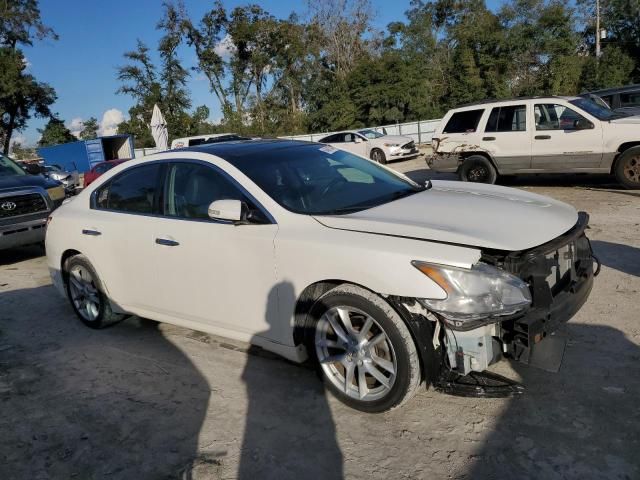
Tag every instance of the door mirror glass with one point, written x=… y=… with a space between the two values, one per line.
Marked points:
x=230 y=210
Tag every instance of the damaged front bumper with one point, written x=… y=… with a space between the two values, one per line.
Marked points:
x=560 y=275
x=444 y=162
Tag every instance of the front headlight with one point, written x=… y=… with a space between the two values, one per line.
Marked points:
x=475 y=294
x=391 y=144
x=56 y=193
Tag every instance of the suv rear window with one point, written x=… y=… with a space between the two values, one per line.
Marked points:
x=511 y=118
x=463 y=122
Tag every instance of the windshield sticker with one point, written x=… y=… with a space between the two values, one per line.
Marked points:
x=328 y=149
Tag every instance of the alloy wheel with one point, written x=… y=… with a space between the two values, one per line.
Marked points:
x=377 y=157
x=478 y=174
x=355 y=353
x=83 y=292
x=632 y=169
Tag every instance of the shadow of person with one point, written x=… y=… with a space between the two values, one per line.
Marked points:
x=624 y=258
x=122 y=402
x=289 y=430
x=583 y=422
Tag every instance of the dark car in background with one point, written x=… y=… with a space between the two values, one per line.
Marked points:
x=25 y=204
x=621 y=99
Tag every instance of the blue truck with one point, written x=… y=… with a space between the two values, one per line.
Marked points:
x=83 y=155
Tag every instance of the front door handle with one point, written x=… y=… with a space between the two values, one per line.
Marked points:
x=488 y=139
x=167 y=242
x=91 y=232
x=543 y=137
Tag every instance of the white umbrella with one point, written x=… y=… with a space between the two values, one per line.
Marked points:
x=159 y=129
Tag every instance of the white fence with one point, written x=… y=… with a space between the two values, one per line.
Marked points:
x=421 y=131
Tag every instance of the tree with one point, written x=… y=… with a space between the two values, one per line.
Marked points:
x=90 y=129
x=18 y=152
x=54 y=133
x=21 y=95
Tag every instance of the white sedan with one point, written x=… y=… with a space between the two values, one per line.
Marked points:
x=378 y=147
x=315 y=253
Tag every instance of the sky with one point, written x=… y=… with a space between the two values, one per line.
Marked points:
x=94 y=34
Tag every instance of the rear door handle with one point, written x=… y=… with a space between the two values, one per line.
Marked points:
x=167 y=242
x=488 y=139
x=543 y=137
x=91 y=232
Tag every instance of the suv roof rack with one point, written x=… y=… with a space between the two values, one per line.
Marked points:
x=497 y=100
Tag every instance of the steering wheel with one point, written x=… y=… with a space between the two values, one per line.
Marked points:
x=332 y=184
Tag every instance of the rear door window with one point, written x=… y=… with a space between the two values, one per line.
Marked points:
x=510 y=118
x=630 y=99
x=133 y=191
x=464 y=122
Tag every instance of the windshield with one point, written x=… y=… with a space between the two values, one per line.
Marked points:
x=321 y=180
x=9 y=168
x=370 y=133
x=598 y=111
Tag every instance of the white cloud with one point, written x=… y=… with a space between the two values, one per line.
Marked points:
x=110 y=120
x=76 y=126
x=225 y=47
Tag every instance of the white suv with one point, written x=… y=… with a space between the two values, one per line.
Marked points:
x=537 y=135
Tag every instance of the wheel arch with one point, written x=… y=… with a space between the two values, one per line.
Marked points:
x=464 y=155
x=66 y=255
x=421 y=331
x=621 y=149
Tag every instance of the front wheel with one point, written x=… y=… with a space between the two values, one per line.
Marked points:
x=627 y=168
x=365 y=353
x=478 y=169
x=378 y=156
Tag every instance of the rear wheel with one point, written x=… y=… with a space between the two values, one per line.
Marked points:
x=627 y=169
x=365 y=353
x=378 y=156
x=86 y=294
x=478 y=169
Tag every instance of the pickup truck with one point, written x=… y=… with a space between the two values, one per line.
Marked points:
x=25 y=204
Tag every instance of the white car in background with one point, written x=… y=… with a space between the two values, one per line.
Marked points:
x=377 y=146
x=312 y=252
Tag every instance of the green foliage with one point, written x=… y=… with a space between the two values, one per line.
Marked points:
x=21 y=95
x=18 y=152
x=284 y=76
x=90 y=129
x=54 y=133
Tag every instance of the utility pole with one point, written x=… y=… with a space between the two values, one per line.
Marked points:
x=597 y=29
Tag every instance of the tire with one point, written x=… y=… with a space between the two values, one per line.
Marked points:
x=378 y=156
x=627 y=168
x=478 y=169
x=382 y=363
x=86 y=294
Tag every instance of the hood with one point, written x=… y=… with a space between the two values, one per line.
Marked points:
x=477 y=215
x=633 y=119
x=399 y=139
x=14 y=182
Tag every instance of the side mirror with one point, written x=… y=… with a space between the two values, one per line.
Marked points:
x=582 y=124
x=357 y=139
x=230 y=210
x=384 y=131
x=34 y=169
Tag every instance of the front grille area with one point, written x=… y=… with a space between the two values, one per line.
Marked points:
x=15 y=205
x=409 y=146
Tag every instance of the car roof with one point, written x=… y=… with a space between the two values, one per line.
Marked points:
x=236 y=150
x=609 y=91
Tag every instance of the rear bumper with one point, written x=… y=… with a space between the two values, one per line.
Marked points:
x=444 y=163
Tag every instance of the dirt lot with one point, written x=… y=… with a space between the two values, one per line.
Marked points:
x=140 y=400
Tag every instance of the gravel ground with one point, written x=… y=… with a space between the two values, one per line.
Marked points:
x=142 y=400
